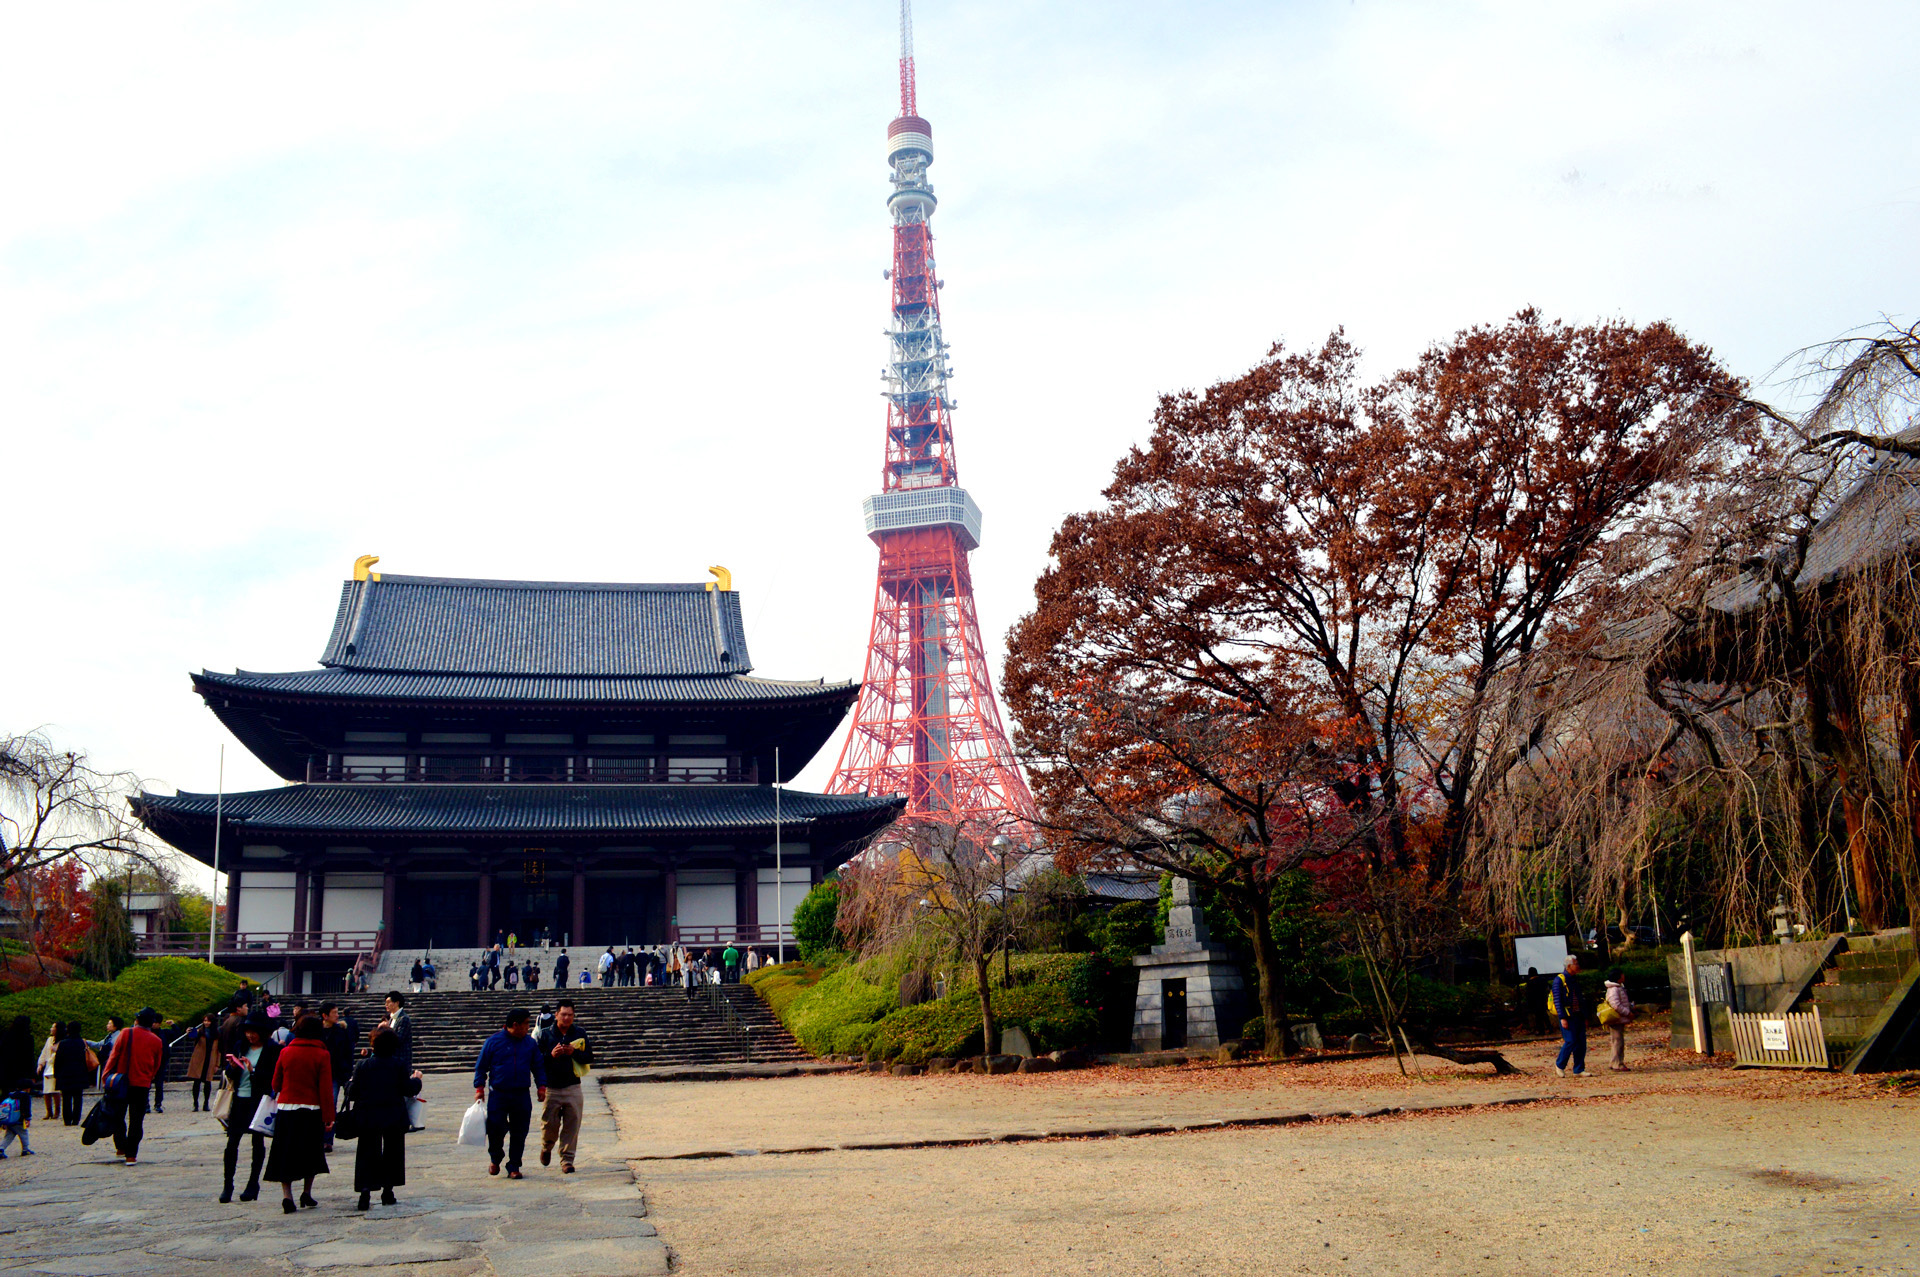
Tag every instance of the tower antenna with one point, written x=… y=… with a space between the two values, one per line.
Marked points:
x=907 y=104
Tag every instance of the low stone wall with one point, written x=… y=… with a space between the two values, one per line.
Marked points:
x=1761 y=974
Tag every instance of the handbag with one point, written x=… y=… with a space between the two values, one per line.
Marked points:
x=416 y=1114
x=346 y=1123
x=222 y=1104
x=473 y=1126
x=262 y=1123
x=98 y=1123
x=1607 y=1015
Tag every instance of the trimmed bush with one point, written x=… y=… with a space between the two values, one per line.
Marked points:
x=178 y=988
x=815 y=922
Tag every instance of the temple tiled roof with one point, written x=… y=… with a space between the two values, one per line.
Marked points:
x=444 y=811
x=381 y=685
x=439 y=625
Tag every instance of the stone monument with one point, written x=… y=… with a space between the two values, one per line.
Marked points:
x=1191 y=994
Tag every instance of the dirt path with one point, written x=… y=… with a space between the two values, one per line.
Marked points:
x=1702 y=1168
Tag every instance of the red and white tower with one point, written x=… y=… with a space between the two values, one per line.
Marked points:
x=926 y=725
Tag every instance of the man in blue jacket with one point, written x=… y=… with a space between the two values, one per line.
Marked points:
x=1563 y=1004
x=508 y=1063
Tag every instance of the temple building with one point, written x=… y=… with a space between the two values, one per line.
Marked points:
x=587 y=763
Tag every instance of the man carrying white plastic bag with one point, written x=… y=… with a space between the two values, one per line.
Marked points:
x=508 y=1064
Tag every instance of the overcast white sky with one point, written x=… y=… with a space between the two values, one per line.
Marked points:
x=593 y=291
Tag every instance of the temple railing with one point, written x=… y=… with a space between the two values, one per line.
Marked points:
x=703 y=937
x=561 y=771
x=263 y=942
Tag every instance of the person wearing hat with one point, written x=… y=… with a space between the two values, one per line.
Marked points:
x=137 y=1053
x=249 y=1071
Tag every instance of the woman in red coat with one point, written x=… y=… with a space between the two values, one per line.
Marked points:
x=303 y=1087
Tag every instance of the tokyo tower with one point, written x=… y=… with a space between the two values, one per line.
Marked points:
x=926 y=725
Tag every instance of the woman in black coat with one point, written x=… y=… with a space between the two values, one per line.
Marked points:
x=72 y=1074
x=379 y=1091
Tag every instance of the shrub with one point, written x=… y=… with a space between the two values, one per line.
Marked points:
x=178 y=988
x=815 y=922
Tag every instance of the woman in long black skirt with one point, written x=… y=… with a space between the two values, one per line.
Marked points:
x=379 y=1091
x=303 y=1087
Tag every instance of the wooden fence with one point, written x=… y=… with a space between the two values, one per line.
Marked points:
x=1794 y=1040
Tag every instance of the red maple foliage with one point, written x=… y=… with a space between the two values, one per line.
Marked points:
x=54 y=907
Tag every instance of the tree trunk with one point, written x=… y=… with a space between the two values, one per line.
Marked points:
x=1266 y=959
x=1429 y=1047
x=990 y=1041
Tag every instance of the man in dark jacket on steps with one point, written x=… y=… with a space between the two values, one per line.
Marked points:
x=563 y=1045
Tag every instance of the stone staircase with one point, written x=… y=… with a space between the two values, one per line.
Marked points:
x=630 y=1028
x=1859 y=982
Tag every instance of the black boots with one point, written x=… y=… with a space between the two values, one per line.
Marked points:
x=363 y=1203
x=226 y=1194
x=251 y=1191
x=387 y=1198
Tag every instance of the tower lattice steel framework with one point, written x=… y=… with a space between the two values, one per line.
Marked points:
x=927 y=725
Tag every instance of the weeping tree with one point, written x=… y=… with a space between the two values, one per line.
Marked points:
x=1743 y=726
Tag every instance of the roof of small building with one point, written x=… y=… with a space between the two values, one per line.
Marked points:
x=454 y=810
x=443 y=625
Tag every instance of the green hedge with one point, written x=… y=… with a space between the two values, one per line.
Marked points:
x=1058 y=998
x=178 y=988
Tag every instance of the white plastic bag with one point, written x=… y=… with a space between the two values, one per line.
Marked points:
x=473 y=1126
x=416 y=1114
x=262 y=1123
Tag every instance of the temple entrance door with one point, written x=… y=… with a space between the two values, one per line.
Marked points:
x=622 y=911
x=435 y=913
x=532 y=913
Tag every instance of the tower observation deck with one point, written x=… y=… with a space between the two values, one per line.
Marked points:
x=926 y=724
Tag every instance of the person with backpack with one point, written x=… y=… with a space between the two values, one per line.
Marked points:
x=1563 y=1004
x=1616 y=1012
x=607 y=964
x=416 y=975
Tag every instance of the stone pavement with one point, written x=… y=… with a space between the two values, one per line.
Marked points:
x=81 y=1212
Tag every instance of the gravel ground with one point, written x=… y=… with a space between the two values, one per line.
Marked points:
x=1679 y=1163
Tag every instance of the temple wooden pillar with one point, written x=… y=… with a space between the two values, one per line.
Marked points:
x=746 y=904
x=670 y=885
x=579 y=935
x=233 y=903
x=297 y=939
x=389 y=890
x=484 y=934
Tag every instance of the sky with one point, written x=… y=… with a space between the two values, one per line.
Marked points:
x=593 y=291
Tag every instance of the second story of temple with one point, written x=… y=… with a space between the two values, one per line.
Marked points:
x=435 y=680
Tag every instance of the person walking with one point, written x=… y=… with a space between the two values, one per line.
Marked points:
x=508 y=1063
x=74 y=1067
x=1616 y=1013
x=378 y=1091
x=567 y=1053
x=339 y=1039
x=303 y=1092
x=416 y=975
x=432 y=975
x=168 y=1033
x=17 y=1072
x=473 y=976
x=607 y=964
x=402 y=1025
x=561 y=965
x=249 y=1071
x=513 y=976
x=1563 y=1004
x=493 y=976
x=513 y=942
x=730 y=958
x=137 y=1055
x=43 y=1074
x=203 y=1060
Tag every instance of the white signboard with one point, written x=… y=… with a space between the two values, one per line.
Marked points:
x=1773 y=1035
x=1544 y=954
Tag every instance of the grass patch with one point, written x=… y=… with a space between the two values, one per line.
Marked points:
x=178 y=988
